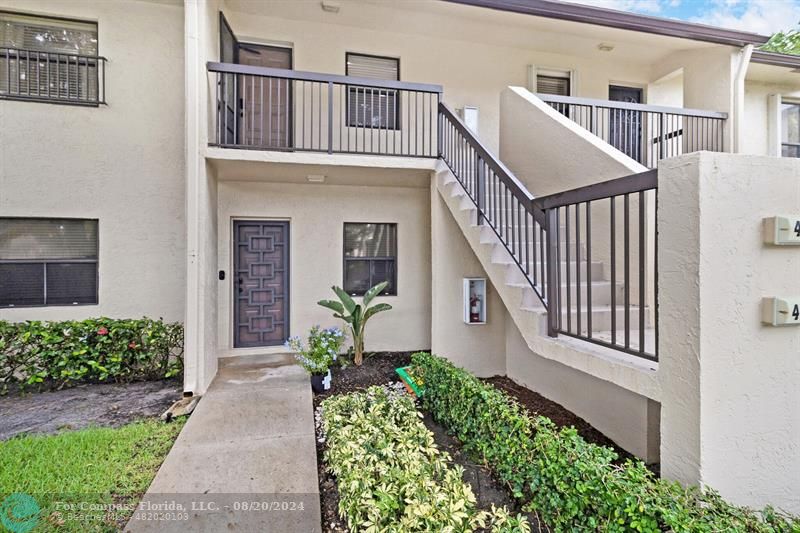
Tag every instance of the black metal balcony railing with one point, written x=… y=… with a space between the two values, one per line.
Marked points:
x=276 y=109
x=646 y=133
x=52 y=77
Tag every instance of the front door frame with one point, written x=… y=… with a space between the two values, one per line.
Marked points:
x=234 y=315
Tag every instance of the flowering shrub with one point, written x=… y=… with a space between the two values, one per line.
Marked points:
x=322 y=350
x=56 y=354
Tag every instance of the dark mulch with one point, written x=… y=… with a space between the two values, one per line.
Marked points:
x=108 y=405
x=379 y=370
x=561 y=417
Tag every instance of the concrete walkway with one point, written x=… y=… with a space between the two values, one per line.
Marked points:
x=246 y=460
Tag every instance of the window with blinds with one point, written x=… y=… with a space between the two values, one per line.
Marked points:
x=48 y=262
x=48 y=57
x=557 y=85
x=372 y=107
x=370 y=257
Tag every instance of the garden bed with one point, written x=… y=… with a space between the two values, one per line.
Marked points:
x=536 y=404
x=379 y=369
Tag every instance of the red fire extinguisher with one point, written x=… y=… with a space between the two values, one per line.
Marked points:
x=475 y=309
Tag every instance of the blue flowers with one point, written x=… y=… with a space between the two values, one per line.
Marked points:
x=322 y=349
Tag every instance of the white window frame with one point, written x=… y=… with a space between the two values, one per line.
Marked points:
x=537 y=70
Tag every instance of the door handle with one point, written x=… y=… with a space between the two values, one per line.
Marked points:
x=241 y=282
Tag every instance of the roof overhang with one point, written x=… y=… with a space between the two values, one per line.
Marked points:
x=619 y=19
x=775 y=59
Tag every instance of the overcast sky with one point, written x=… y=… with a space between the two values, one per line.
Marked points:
x=759 y=16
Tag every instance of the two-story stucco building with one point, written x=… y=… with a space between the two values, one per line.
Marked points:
x=225 y=162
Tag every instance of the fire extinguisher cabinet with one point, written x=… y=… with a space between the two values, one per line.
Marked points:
x=475 y=300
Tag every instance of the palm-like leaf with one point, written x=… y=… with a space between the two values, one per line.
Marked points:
x=334 y=306
x=347 y=301
x=374 y=291
x=375 y=309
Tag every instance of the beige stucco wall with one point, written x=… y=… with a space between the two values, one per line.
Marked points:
x=759 y=117
x=121 y=163
x=471 y=71
x=730 y=416
x=480 y=348
x=628 y=419
x=316 y=214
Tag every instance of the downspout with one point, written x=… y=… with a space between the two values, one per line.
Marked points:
x=738 y=98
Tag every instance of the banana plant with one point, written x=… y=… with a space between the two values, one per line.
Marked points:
x=356 y=315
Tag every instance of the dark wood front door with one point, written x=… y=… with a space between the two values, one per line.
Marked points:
x=266 y=103
x=625 y=127
x=261 y=283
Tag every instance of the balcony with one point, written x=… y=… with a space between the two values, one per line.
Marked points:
x=52 y=77
x=261 y=108
x=645 y=133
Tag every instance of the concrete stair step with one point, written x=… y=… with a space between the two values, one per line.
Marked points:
x=601 y=317
x=515 y=275
x=601 y=293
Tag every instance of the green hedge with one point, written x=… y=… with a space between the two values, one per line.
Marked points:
x=54 y=354
x=573 y=485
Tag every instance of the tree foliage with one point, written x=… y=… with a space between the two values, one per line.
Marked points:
x=784 y=42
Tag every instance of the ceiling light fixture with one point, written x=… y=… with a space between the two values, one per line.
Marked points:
x=605 y=47
x=330 y=7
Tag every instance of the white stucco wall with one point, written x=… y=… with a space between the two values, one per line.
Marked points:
x=759 y=117
x=628 y=419
x=479 y=348
x=730 y=416
x=122 y=164
x=472 y=71
x=316 y=215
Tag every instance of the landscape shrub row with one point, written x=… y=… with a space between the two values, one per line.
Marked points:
x=571 y=484
x=390 y=474
x=54 y=354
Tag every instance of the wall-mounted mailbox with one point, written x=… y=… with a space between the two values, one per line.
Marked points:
x=782 y=230
x=475 y=300
x=784 y=311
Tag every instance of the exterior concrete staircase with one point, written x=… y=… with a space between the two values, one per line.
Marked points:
x=522 y=302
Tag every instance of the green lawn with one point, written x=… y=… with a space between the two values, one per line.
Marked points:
x=95 y=466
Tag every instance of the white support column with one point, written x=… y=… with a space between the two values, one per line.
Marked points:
x=201 y=205
x=730 y=394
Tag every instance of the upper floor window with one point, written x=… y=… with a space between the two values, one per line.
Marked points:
x=554 y=83
x=373 y=107
x=370 y=257
x=790 y=129
x=50 y=59
x=48 y=261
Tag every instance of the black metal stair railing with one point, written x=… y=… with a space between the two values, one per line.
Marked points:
x=553 y=240
x=503 y=202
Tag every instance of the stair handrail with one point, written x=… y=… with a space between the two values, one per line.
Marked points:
x=486 y=154
x=478 y=169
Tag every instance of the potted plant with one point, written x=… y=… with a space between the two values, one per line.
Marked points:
x=356 y=315
x=318 y=355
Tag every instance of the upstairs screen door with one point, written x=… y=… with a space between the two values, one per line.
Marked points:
x=266 y=103
x=228 y=46
x=625 y=126
x=261 y=283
